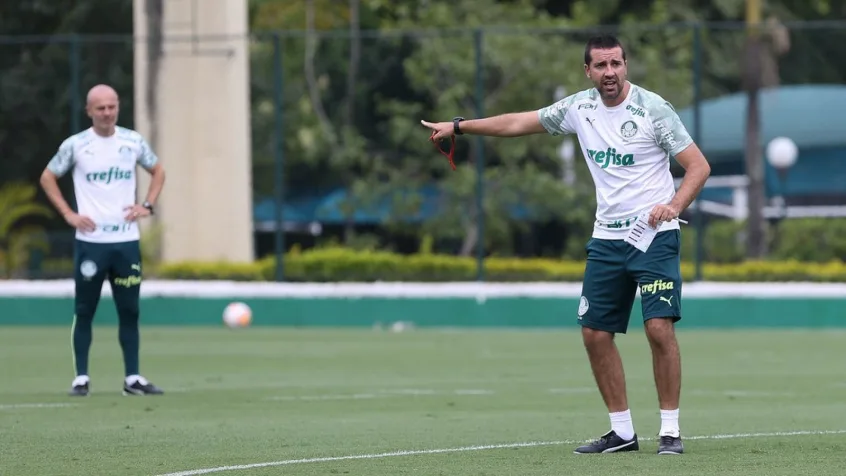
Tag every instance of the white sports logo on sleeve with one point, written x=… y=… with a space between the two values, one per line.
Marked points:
x=104 y=179
x=627 y=149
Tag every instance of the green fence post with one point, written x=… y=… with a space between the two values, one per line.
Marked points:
x=75 y=93
x=480 y=160
x=75 y=60
x=697 y=136
x=279 y=155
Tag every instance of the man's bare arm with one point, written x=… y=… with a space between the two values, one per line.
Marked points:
x=696 y=173
x=513 y=124
x=157 y=180
x=50 y=184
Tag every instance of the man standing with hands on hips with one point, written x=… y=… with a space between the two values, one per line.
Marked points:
x=627 y=135
x=107 y=246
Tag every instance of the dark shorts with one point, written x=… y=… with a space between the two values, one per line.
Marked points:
x=119 y=263
x=615 y=270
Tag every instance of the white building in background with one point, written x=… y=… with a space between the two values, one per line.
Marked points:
x=192 y=102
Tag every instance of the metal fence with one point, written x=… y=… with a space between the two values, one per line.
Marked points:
x=338 y=148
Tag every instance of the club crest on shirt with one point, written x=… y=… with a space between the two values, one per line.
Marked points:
x=125 y=152
x=628 y=129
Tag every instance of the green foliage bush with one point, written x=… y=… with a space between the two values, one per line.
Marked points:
x=802 y=250
x=343 y=265
x=812 y=240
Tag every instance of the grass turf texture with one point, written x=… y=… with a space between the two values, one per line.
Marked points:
x=275 y=395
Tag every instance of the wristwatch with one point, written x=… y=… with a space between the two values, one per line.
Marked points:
x=455 y=127
x=148 y=206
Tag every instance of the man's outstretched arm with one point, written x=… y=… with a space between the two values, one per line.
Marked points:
x=513 y=124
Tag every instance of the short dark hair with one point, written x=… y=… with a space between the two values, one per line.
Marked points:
x=602 y=42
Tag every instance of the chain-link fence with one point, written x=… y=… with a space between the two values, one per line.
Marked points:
x=336 y=139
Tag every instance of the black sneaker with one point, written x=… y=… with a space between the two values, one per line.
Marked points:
x=670 y=445
x=609 y=443
x=80 y=390
x=141 y=387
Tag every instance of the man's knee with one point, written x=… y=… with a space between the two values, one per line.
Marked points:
x=127 y=314
x=127 y=309
x=126 y=299
x=661 y=331
x=596 y=338
x=86 y=300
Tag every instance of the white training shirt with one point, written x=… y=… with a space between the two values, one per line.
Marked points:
x=104 y=179
x=627 y=149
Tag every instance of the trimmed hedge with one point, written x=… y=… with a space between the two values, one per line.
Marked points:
x=344 y=265
x=817 y=240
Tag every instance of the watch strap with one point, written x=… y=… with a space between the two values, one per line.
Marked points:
x=455 y=127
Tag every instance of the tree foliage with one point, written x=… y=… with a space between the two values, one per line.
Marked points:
x=17 y=207
x=41 y=98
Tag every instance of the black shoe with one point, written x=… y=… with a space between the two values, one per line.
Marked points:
x=609 y=443
x=141 y=387
x=79 y=390
x=670 y=445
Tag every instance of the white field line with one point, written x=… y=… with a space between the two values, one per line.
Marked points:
x=16 y=406
x=373 y=394
x=382 y=394
x=313 y=398
x=573 y=390
x=741 y=393
x=464 y=449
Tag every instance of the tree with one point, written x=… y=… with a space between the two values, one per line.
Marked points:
x=522 y=68
x=41 y=79
x=325 y=97
x=521 y=71
x=17 y=205
x=405 y=72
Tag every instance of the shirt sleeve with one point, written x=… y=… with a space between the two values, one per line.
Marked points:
x=63 y=160
x=146 y=157
x=555 y=119
x=670 y=132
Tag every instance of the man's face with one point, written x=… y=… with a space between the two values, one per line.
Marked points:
x=607 y=71
x=103 y=110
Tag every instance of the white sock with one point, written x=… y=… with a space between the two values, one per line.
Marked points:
x=669 y=423
x=80 y=380
x=131 y=379
x=621 y=423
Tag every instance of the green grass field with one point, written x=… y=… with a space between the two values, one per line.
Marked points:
x=419 y=402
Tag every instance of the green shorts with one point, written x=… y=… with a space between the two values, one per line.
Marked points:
x=615 y=270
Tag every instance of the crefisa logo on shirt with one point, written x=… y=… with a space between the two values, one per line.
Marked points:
x=109 y=176
x=606 y=158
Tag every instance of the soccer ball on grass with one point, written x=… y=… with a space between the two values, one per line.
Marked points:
x=237 y=314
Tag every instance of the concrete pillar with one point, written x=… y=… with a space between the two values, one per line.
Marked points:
x=192 y=102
